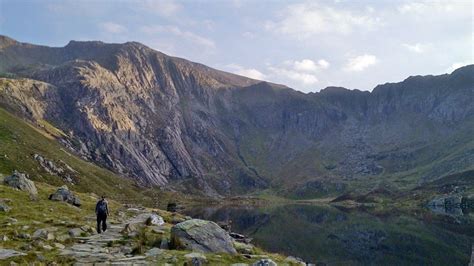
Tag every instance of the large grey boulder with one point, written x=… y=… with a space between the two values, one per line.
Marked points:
x=64 y=194
x=202 y=236
x=20 y=181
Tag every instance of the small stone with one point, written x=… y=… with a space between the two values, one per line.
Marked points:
x=4 y=238
x=195 y=259
x=76 y=232
x=4 y=207
x=62 y=238
x=25 y=227
x=48 y=247
x=164 y=244
x=41 y=234
x=265 y=262
x=126 y=249
x=24 y=236
x=59 y=246
x=40 y=257
x=153 y=252
x=7 y=253
x=12 y=220
x=87 y=229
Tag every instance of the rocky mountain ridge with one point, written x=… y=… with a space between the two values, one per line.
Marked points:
x=169 y=122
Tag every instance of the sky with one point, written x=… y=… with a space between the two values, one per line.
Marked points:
x=306 y=45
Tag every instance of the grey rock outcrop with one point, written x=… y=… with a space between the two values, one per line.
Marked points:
x=64 y=194
x=201 y=236
x=20 y=181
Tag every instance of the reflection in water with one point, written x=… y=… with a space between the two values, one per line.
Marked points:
x=331 y=236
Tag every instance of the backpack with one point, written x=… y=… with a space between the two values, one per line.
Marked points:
x=102 y=207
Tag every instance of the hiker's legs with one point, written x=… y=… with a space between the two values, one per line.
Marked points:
x=98 y=224
x=104 y=223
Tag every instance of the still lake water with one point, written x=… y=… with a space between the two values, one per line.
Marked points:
x=335 y=236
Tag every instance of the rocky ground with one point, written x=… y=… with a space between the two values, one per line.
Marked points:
x=41 y=223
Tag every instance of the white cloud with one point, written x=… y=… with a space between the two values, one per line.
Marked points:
x=165 y=8
x=247 y=72
x=307 y=65
x=426 y=6
x=176 y=31
x=417 y=47
x=309 y=19
x=458 y=65
x=323 y=63
x=305 y=79
x=112 y=27
x=360 y=63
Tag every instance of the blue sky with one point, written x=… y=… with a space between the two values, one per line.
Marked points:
x=306 y=45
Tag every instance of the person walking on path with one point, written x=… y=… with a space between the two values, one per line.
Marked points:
x=102 y=211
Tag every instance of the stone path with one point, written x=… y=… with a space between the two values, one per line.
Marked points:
x=96 y=248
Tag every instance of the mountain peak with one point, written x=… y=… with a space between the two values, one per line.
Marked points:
x=6 y=41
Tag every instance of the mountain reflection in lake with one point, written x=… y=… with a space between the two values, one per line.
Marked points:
x=331 y=236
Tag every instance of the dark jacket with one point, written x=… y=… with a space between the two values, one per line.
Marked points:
x=98 y=210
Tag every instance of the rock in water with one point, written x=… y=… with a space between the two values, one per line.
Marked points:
x=20 y=181
x=202 y=236
x=64 y=194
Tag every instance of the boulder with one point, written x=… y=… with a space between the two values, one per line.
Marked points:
x=64 y=194
x=154 y=219
x=20 y=181
x=202 y=236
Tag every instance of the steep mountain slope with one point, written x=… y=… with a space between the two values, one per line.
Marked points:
x=34 y=151
x=169 y=122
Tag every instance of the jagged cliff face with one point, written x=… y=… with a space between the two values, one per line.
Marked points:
x=169 y=122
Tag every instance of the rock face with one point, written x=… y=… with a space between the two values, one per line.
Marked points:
x=20 y=181
x=166 y=121
x=201 y=236
x=64 y=194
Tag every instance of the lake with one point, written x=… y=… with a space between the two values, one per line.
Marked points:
x=337 y=236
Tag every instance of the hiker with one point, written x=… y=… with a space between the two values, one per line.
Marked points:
x=102 y=211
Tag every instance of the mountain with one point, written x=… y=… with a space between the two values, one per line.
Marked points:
x=165 y=121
